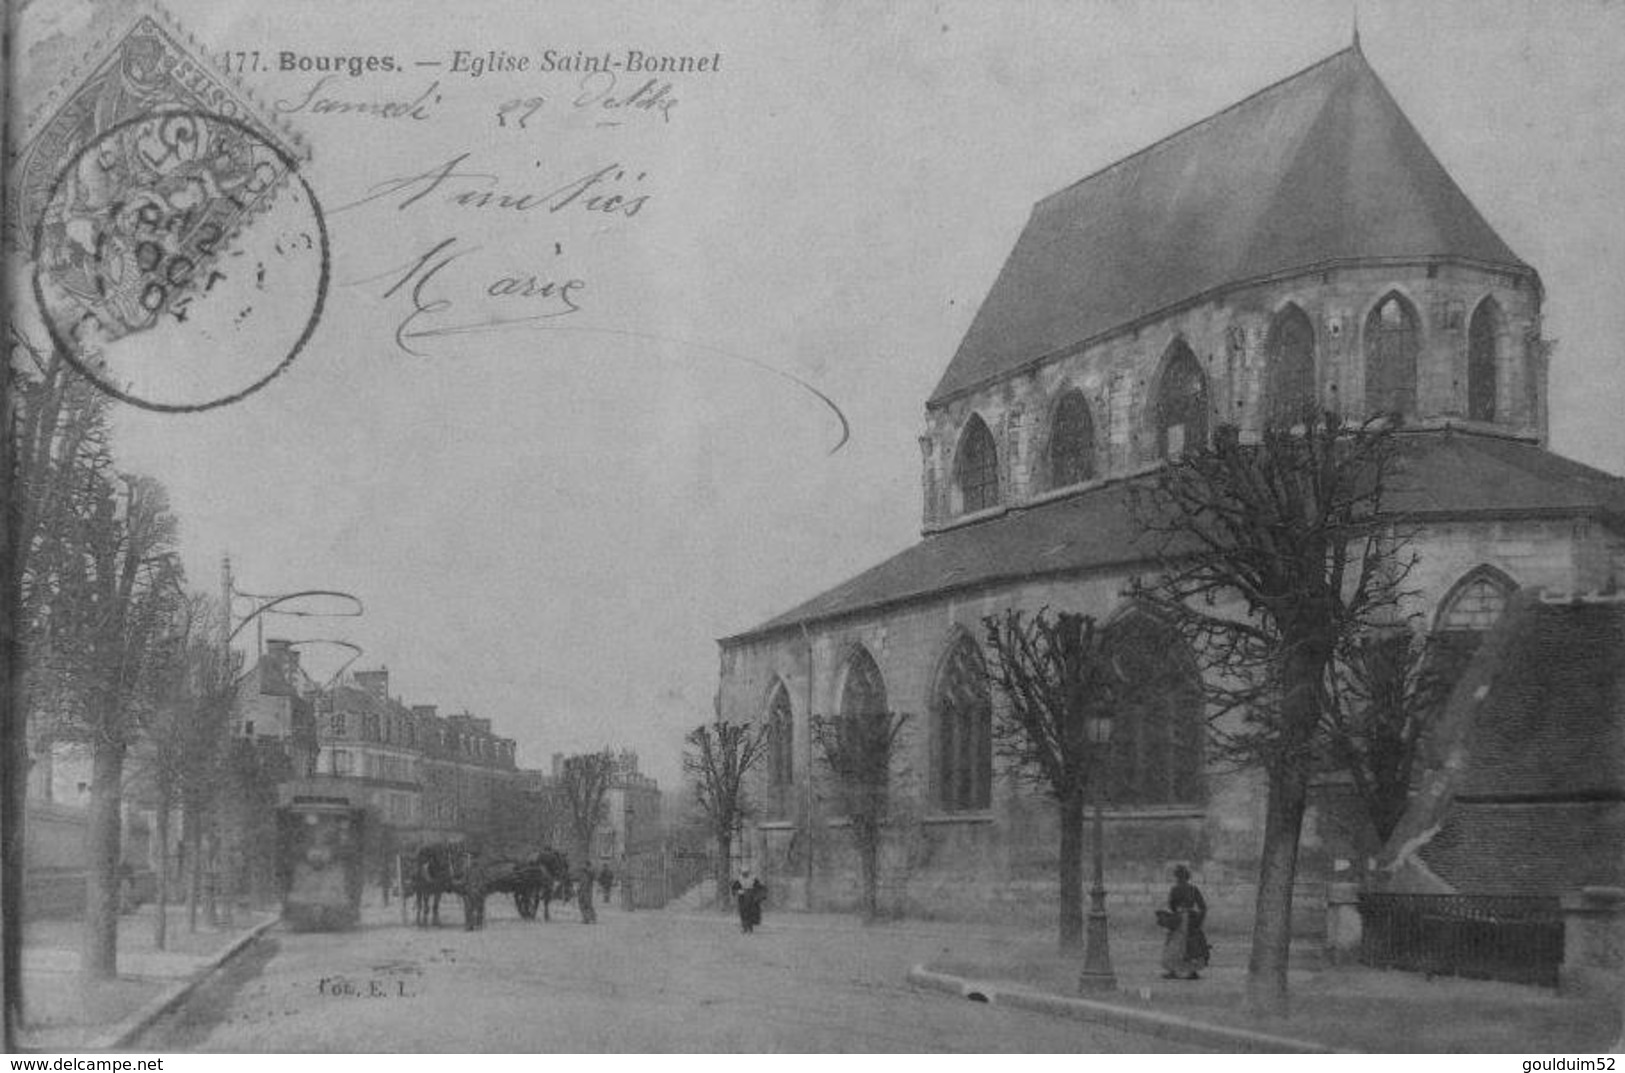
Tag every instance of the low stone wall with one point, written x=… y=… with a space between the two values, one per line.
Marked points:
x=1001 y=868
x=1033 y=901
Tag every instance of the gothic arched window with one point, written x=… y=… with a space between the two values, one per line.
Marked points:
x=1476 y=602
x=978 y=467
x=780 y=740
x=1156 y=744
x=1483 y=339
x=1392 y=343
x=1468 y=611
x=962 y=707
x=864 y=691
x=1071 y=442
x=1182 y=404
x=1289 y=393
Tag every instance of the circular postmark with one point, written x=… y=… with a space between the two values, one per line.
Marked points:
x=181 y=262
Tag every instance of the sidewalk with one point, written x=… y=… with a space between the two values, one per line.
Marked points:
x=1344 y=1007
x=1334 y=1007
x=62 y=1013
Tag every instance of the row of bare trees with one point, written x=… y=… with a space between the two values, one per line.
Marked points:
x=858 y=751
x=1282 y=564
x=117 y=657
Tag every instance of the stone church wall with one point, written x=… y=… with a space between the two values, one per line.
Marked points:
x=1229 y=336
x=1000 y=863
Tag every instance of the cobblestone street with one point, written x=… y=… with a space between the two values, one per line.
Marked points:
x=650 y=981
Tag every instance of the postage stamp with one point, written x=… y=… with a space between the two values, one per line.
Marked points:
x=179 y=258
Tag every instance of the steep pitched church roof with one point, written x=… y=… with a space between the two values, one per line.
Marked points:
x=1320 y=168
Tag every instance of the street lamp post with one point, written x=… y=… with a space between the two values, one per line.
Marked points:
x=1097 y=974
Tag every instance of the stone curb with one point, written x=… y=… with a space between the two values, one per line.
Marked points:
x=1143 y=1022
x=123 y=1034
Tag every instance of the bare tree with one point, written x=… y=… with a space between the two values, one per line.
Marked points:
x=183 y=740
x=118 y=591
x=583 y=783
x=1055 y=675
x=1389 y=688
x=859 y=750
x=1273 y=556
x=14 y=758
x=97 y=582
x=718 y=756
x=60 y=442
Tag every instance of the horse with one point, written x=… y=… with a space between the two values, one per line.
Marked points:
x=534 y=881
x=428 y=876
x=552 y=872
x=508 y=875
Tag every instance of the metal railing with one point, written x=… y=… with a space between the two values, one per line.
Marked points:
x=1489 y=937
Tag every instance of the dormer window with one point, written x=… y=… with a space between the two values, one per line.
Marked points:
x=978 y=468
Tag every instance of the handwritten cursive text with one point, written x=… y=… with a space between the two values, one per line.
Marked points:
x=316 y=102
x=606 y=191
x=427 y=283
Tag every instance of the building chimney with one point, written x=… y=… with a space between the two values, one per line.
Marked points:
x=374 y=682
x=423 y=711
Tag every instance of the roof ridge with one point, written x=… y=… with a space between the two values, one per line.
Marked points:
x=1410 y=128
x=1205 y=120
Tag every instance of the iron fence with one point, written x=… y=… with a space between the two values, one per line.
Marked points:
x=1487 y=937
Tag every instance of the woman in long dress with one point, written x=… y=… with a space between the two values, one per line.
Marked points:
x=749 y=894
x=1185 y=951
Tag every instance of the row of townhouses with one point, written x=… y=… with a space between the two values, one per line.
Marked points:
x=422 y=777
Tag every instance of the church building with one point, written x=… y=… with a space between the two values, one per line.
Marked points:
x=1301 y=247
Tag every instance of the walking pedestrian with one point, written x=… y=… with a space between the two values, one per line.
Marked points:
x=1186 y=949
x=749 y=893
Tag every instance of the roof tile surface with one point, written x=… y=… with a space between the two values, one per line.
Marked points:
x=1453 y=473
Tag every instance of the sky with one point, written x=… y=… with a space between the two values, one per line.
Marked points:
x=551 y=524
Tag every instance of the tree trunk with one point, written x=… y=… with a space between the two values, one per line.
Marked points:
x=99 y=952
x=160 y=922
x=14 y=763
x=869 y=865
x=1278 y=867
x=194 y=884
x=211 y=878
x=720 y=869
x=1071 y=873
